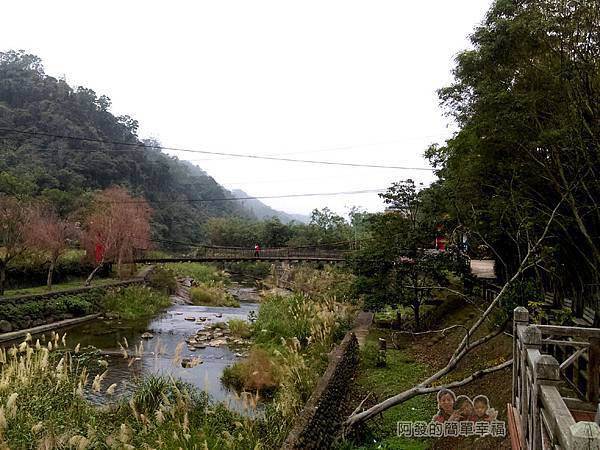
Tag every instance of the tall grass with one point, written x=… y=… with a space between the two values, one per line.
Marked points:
x=258 y=372
x=240 y=328
x=200 y=273
x=292 y=338
x=299 y=317
x=42 y=406
x=329 y=282
x=212 y=295
x=134 y=302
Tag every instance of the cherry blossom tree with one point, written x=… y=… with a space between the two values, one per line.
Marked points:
x=48 y=234
x=13 y=219
x=118 y=225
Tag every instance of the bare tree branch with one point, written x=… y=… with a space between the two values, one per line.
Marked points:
x=356 y=418
x=463 y=347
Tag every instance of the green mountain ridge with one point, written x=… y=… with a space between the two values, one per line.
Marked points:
x=66 y=171
x=262 y=211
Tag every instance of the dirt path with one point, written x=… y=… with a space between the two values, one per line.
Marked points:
x=361 y=326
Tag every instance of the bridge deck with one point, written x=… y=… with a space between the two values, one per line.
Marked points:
x=239 y=258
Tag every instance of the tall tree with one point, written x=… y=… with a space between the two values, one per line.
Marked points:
x=527 y=100
x=393 y=264
x=119 y=225
x=47 y=233
x=13 y=220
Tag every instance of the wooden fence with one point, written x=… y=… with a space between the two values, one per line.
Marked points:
x=540 y=417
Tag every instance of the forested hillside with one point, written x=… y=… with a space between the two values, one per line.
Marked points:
x=262 y=211
x=64 y=172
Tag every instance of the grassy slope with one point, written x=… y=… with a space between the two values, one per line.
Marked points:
x=401 y=373
x=423 y=355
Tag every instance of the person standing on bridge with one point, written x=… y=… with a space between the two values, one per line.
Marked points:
x=256 y=251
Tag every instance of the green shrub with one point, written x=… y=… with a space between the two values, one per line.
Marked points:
x=200 y=273
x=21 y=313
x=163 y=280
x=212 y=296
x=78 y=306
x=135 y=302
x=240 y=328
x=258 y=372
x=255 y=269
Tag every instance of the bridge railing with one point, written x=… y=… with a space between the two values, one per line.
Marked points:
x=540 y=417
x=244 y=253
x=269 y=252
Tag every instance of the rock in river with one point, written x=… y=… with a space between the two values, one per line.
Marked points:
x=147 y=335
x=188 y=363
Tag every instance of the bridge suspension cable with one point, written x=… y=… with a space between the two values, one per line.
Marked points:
x=207 y=152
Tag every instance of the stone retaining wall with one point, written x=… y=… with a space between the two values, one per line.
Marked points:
x=320 y=421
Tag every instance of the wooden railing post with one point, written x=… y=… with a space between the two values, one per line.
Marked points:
x=520 y=317
x=585 y=435
x=593 y=367
x=546 y=371
x=532 y=340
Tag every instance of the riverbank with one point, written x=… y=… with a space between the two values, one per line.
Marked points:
x=410 y=359
x=44 y=406
x=292 y=338
x=22 y=312
x=126 y=363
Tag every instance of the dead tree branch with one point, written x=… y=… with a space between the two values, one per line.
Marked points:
x=464 y=347
x=420 y=390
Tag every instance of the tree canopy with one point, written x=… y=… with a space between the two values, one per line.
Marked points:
x=527 y=100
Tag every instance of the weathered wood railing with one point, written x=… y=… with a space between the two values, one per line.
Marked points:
x=539 y=417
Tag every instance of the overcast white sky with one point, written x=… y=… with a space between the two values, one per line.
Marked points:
x=350 y=81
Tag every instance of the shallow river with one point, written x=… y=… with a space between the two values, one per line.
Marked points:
x=169 y=329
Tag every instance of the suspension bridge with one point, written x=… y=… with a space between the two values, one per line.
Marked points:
x=234 y=254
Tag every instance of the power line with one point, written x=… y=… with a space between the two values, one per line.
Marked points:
x=206 y=152
x=331 y=149
x=289 y=180
x=223 y=199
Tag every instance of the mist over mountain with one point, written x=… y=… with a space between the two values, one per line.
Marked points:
x=262 y=211
x=37 y=114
